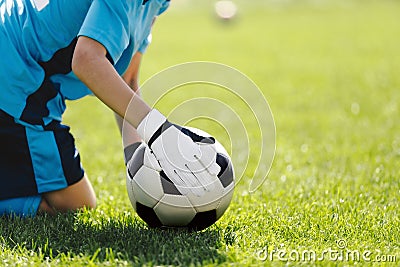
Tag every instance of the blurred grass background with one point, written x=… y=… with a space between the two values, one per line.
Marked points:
x=330 y=72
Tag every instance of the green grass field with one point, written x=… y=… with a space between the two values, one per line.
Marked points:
x=330 y=72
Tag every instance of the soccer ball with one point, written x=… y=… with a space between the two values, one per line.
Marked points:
x=159 y=203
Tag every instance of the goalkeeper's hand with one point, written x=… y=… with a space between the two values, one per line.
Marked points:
x=188 y=159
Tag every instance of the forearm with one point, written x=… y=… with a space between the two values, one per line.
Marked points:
x=131 y=78
x=128 y=132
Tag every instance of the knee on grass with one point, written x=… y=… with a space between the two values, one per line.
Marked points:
x=61 y=206
x=74 y=197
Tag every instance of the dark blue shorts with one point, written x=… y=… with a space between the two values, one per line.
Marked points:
x=36 y=159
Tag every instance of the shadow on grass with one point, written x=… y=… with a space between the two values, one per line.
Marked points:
x=106 y=239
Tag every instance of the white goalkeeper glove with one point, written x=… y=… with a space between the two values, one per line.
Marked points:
x=188 y=159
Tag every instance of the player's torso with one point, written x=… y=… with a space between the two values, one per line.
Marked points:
x=39 y=28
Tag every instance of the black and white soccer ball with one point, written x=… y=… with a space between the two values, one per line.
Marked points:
x=160 y=204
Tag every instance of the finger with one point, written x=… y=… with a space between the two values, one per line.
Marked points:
x=208 y=159
x=196 y=182
x=150 y=160
x=202 y=177
x=214 y=169
x=207 y=181
x=186 y=184
x=190 y=178
x=182 y=189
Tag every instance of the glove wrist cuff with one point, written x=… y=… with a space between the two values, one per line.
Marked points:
x=150 y=124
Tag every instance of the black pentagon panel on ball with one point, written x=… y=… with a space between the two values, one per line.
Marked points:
x=129 y=150
x=202 y=220
x=136 y=164
x=168 y=186
x=148 y=215
x=225 y=175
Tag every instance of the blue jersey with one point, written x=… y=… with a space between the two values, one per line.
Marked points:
x=37 y=40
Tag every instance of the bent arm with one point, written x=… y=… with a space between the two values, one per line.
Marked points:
x=90 y=65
